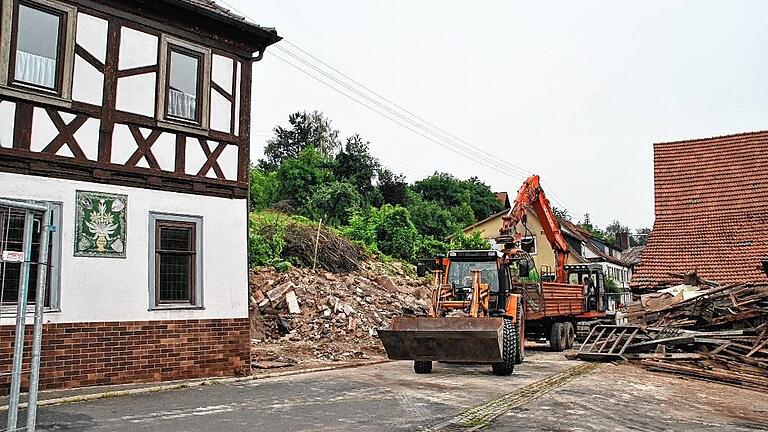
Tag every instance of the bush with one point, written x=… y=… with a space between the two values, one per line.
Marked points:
x=395 y=233
x=333 y=202
x=263 y=189
x=427 y=247
x=266 y=239
x=473 y=241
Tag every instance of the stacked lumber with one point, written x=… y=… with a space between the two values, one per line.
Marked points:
x=715 y=333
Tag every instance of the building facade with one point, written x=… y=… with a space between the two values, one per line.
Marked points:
x=133 y=119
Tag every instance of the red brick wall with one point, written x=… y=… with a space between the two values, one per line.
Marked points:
x=105 y=353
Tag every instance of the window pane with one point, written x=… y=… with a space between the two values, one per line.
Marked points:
x=174 y=283
x=183 y=86
x=37 y=47
x=12 y=239
x=176 y=239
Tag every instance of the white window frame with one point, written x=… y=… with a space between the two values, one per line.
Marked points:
x=204 y=99
x=54 y=259
x=155 y=217
x=64 y=96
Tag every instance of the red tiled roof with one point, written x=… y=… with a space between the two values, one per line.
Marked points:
x=711 y=210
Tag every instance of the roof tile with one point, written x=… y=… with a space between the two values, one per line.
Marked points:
x=711 y=210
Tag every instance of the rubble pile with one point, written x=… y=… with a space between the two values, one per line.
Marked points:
x=725 y=327
x=308 y=315
x=717 y=333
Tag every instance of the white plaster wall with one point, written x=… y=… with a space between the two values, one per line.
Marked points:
x=195 y=157
x=88 y=138
x=137 y=49
x=221 y=112
x=221 y=72
x=7 y=117
x=123 y=144
x=92 y=35
x=164 y=150
x=228 y=162
x=136 y=94
x=101 y=289
x=88 y=83
x=43 y=130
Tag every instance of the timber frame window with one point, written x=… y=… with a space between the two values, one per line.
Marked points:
x=37 y=48
x=11 y=239
x=185 y=83
x=175 y=261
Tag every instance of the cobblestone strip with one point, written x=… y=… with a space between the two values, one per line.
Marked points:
x=481 y=416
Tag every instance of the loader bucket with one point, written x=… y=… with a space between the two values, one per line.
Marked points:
x=459 y=339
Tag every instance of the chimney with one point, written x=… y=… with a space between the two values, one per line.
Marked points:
x=622 y=240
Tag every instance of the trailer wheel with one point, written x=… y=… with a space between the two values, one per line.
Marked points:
x=520 y=342
x=422 y=367
x=509 y=350
x=557 y=339
x=570 y=335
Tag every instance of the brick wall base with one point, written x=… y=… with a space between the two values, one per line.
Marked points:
x=106 y=353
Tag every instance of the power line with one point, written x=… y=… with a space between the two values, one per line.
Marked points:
x=441 y=144
x=485 y=157
x=395 y=113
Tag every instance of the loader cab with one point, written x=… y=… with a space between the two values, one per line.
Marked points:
x=592 y=278
x=460 y=264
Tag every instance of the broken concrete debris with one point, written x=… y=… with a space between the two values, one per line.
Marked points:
x=715 y=333
x=305 y=315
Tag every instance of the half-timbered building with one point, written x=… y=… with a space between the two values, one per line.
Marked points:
x=132 y=117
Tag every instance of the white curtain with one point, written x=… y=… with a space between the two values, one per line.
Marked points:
x=35 y=69
x=183 y=105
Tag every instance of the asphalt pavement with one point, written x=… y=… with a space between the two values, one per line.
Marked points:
x=547 y=392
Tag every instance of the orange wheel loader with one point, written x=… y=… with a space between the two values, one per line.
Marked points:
x=481 y=300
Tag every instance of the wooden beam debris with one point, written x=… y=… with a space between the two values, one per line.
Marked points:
x=720 y=333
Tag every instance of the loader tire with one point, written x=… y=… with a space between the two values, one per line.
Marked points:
x=422 y=367
x=570 y=335
x=520 y=342
x=557 y=339
x=511 y=335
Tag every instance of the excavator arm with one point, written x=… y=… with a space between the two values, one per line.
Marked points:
x=532 y=197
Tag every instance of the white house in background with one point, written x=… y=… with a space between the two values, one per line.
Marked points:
x=133 y=118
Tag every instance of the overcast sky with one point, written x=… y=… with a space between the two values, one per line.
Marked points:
x=577 y=92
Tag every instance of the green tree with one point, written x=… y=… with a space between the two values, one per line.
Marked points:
x=395 y=233
x=264 y=189
x=474 y=241
x=451 y=192
x=333 y=203
x=307 y=129
x=641 y=237
x=587 y=225
x=298 y=178
x=614 y=229
x=442 y=188
x=482 y=200
x=391 y=186
x=356 y=165
x=431 y=218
